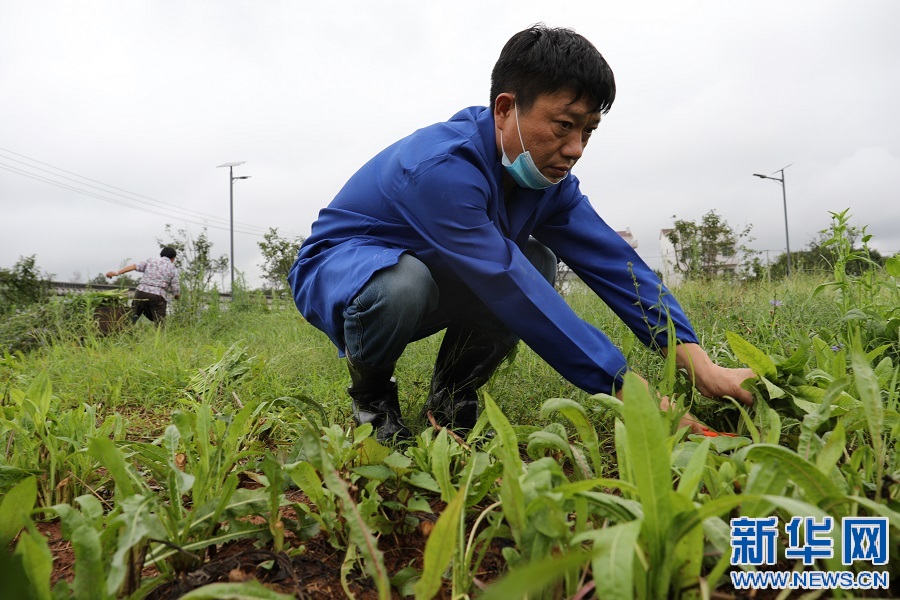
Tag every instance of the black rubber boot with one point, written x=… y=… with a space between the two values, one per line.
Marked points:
x=374 y=400
x=464 y=363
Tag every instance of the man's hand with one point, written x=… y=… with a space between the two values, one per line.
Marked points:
x=721 y=381
x=710 y=379
x=688 y=420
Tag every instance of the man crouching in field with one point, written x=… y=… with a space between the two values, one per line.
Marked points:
x=459 y=227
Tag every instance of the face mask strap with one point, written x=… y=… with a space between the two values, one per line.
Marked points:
x=502 y=149
x=519 y=129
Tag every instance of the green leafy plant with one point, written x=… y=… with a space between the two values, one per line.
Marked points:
x=43 y=439
x=25 y=559
x=869 y=301
x=363 y=543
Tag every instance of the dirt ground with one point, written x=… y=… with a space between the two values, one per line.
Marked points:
x=311 y=574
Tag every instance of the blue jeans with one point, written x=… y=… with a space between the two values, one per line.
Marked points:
x=407 y=302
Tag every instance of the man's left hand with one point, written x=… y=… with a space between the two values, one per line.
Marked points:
x=721 y=381
x=710 y=379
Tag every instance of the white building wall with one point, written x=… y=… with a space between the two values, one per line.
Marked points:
x=671 y=276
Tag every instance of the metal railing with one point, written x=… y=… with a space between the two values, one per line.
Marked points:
x=63 y=288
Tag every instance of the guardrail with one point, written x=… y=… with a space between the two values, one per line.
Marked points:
x=62 y=288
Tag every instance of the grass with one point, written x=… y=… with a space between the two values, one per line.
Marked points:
x=142 y=371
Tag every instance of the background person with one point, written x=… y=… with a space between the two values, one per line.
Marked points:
x=459 y=226
x=157 y=286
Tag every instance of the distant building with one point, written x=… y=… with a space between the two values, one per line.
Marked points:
x=670 y=274
x=626 y=235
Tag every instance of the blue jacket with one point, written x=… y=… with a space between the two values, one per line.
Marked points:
x=438 y=194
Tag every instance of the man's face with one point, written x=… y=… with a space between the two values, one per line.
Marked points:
x=554 y=129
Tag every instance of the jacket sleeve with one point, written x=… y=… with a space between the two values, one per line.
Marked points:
x=615 y=272
x=448 y=208
x=175 y=284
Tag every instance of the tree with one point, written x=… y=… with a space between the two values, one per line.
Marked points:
x=710 y=248
x=279 y=255
x=22 y=285
x=195 y=261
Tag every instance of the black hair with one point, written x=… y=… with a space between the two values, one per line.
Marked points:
x=168 y=252
x=545 y=60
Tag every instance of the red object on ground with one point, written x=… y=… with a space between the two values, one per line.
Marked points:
x=710 y=433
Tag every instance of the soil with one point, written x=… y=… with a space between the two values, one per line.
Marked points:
x=310 y=572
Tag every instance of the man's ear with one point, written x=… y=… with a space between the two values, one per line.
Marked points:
x=503 y=106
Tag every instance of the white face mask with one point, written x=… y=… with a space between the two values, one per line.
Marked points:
x=523 y=170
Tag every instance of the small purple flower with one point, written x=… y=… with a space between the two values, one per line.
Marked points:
x=837 y=347
x=776 y=303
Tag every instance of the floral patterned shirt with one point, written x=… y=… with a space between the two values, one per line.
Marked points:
x=160 y=277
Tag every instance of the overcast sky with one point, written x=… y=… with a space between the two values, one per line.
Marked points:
x=114 y=115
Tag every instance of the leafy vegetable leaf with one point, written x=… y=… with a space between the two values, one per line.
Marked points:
x=758 y=361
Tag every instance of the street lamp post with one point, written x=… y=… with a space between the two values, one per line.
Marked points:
x=787 y=237
x=231 y=179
